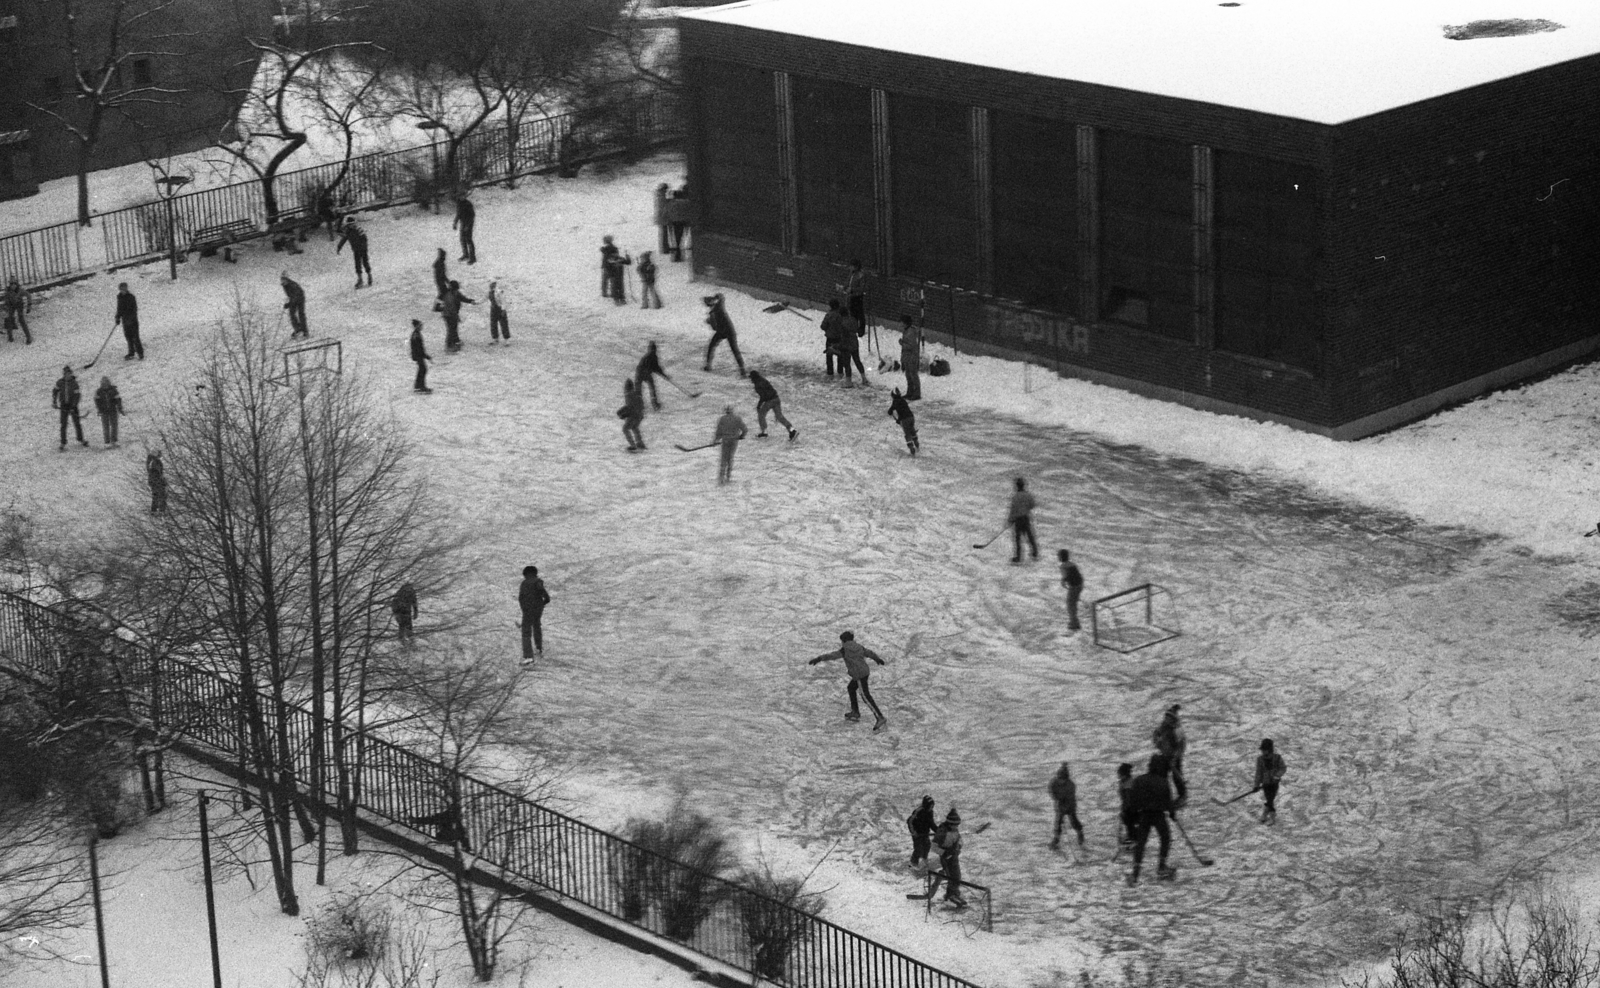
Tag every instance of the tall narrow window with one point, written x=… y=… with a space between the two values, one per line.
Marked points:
x=1147 y=233
x=833 y=152
x=935 y=226
x=1035 y=175
x=741 y=194
x=1266 y=236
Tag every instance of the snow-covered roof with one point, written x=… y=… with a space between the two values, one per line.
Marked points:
x=1321 y=60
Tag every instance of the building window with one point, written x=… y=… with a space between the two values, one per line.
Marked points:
x=1146 y=233
x=935 y=229
x=142 y=75
x=833 y=157
x=740 y=131
x=1266 y=236
x=1034 y=178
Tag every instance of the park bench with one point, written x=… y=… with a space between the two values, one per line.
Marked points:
x=208 y=240
x=291 y=228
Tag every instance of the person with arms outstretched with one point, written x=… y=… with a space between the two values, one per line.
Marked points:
x=855 y=656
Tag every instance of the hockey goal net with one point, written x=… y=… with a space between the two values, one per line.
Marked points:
x=1134 y=619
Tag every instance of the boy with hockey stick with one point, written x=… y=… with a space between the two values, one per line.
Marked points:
x=1270 y=768
x=948 y=840
x=901 y=412
x=1150 y=803
x=1171 y=743
x=855 y=656
x=730 y=429
x=721 y=329
x=1019 y=515
x=646 y=373
x=767 y=400
x=631 y=413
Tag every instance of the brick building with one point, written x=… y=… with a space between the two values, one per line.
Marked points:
x=1339 y=216
x=195 y=47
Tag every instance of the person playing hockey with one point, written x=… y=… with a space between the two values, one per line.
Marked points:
x=645 y=374
x=1150 y=802
x=647 y=282
x=419 y=355
x=855 y=656
x=356 y=237
x=948 y=840
x=901 y=412
x=1270 y=768
x=1072 y=579
x=767 y=400
x=404 y=608
x=730 y=429
x=128 y=319
x=499 y=324
x=441 y=274
x=156 y=475
x=295 y=306
x=1171 y=743
x=1065 y=794
x=921 y=825
x=721 y=329
x=108 y=404
x=466 y=219
x=1019 y=516
x=631 y=413
x=531 y=597
x=65 y=397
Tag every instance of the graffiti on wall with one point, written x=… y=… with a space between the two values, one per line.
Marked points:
x=1037 y=331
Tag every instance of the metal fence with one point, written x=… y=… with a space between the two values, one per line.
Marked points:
x=381 y=178
x=525 y=842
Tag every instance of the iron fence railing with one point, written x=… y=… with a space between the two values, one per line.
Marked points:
x=369 y=181
x=522 y=840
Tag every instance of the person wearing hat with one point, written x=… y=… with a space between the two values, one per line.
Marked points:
x=1270 y=768
x=767 y=400
x=608 y=255
x=645 y=374
x=1019 y=517
x=901 y=412
x=721 y=329
x=911 y=357
x=531 y=597
x=1150 y=803
x=296 y=305
x=450 y=311
x=1171 y=743
x=108 y=405
x=921 y=825
x=419 y=354
x=65 y=397
x=730 y=429
x=948 y=839
x=647 y=281
x=855 y=656
x=1065 y=794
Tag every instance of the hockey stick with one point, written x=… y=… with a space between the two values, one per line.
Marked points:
x=691 y=449
x=985 y=545
x=692 y=394
x=1596 y=531
x=1228 y=802
x=1204 y=861
x=101 y=350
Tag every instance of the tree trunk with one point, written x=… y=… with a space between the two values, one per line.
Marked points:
x=513 y=135
x=85 y=153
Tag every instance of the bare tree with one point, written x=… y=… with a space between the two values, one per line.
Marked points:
x=104 y=38
x=44 y=874
x=341 y=92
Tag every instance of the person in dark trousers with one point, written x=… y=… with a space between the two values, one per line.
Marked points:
x=18 y=302
x=767 y=400
x=645 y=374
x=901 y=412
x=1150 y=802
x=108 y=405
x=647 y=282
x=1125 y=813
x=532 y=597
x=1270 y=768
x=721 y=329
x=404 y=608
x=911 y=357
x=616 y=269
x=948 y=840
x=356 y=237
x=296 y=305
x=328 y=213
x=921 y=825
x=849 y=348
x=441 y=274
x=156 y=475
x=730 y=429
x=1019 y=516
x=65 y=397
x=450 y=309
x=1171 y=744
x=128 y=319
x=608 y=251
x=419 y=355
x=832 y=328
x=855 y=293
x=680 y=228
x=1065 y=794
x=466 y=218
x=631 y=413
x=662 y=192
x=1072 y=579
x=499 y=324
x=855 y=656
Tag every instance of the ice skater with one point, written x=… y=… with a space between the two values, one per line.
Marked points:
x=921 y=825
x=647 y=282
x=721 y=329
x=450 y=309
x=645 y=374
x=1171 y=743
x=1125 y=814
x=466 y=219
x=767 y=400
x=1064 y=792
x=65 y=397
x=295 y=305
x=1072 y=579
x=832 y=327
x=948 y=840
x=356 y=237
x=1150 y=803
x=911 y=357
x=1270 y=769
x=108 y=405
x=128 y=319
x=855 y=293
x=901 y=412
x=855 y=656
x=18 y=302
x=608 y=257
x=441 y=273
x=404 y=608
x=532 y=597
x=156 y=476
x=631 y=413
x=499 y=324
x=1019 y=516
x=848 y=348
x=419 y=355
x=730 y=429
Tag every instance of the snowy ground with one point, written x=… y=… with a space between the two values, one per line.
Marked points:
x=1395 y=612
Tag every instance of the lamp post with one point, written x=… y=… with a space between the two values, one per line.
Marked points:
x=428 y=127
x=169 y=186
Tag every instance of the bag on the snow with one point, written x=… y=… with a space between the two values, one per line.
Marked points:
x=939 y=367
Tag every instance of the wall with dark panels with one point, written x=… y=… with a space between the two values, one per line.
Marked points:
x=738 y=186
x=833 y=154
x=1082 y=103
x=935 y=228
x=1461 y=235
x=1034 y=176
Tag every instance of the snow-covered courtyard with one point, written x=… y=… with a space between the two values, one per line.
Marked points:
x=1407 y=616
